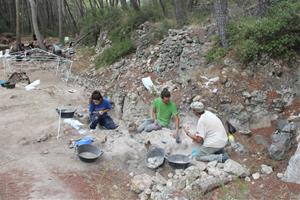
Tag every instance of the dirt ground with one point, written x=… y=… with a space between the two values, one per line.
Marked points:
x=48 y=169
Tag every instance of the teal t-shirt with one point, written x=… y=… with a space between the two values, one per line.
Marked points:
x=164 y=112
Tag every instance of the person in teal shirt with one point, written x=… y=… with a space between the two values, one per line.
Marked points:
x=163 y=110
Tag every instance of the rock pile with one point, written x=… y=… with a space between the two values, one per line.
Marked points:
x=178 y=50
x=190 y=183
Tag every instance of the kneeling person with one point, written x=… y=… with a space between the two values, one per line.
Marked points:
x=211 y=135
x=163 y=110
x=98 y=109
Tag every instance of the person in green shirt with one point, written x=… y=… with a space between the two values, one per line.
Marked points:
x=163 y=110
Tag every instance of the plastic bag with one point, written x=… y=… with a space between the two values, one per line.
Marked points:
x=147 y=82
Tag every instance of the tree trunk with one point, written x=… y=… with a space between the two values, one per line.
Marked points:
x=123 y=4
x=71 y=15
x=220 y=8
x=18 y=35
x=135 y=5
x=30 y=26
x=101 y=3
x=180 y=11
x=35 y=24
x=262 y=6
x=60 y=31
x=162 y=5
x=190 y=5
x=80 y=7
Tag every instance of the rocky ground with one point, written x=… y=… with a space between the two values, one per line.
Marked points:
x=257 y=99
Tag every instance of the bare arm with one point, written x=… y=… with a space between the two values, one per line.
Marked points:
x=194 y=137
x=153 y=113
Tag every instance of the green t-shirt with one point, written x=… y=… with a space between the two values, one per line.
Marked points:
x=164 y=112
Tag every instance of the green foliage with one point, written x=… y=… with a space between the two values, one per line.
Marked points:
x=86 y=51
x=277 y=34
x=110 y=55
x=120 y=25
x=215 y=54
x=198 y=17
x=161 y=29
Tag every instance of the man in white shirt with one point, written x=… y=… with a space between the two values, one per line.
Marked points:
x=210 y=135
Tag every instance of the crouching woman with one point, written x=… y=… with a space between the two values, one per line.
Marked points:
x=98 y=109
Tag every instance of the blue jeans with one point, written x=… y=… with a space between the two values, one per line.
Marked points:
x=207 y=154
x=104 y=120
x=149 y=125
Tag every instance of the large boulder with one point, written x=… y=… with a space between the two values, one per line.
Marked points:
x=235 y=168
x=292 y=173
x=282 y=141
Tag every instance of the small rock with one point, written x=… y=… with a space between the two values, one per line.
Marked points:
x=197 y=98
x=220 y=165
x=141 y=182
x=143 y=196
x=131 y=174
x=225 y=100
x=212 y=164
x=122 y=85
x=200 y=165
x=265 y=169
x=170 y=175
x=215 y=171
x=280 y=175
x=178 y=171
x=24 y=141
x=256 y=176
x=159 y=188
x=115 y=187
x=45 y=152
x=169 y=183
x=246 y=94
x=43 y=137
x=148 y=191
x=247 y=178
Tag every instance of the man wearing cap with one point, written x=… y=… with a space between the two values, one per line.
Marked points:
x=210 y=134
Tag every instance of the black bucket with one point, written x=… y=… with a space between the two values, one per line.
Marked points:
x=66 y=113
x=179 y=161
x=88 y=152
x=158 y=153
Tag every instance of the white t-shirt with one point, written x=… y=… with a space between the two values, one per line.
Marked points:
x=211 y=129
